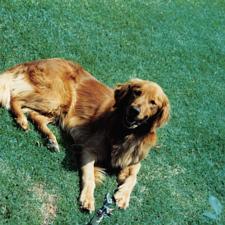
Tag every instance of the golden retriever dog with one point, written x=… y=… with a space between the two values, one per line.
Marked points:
x=114 y=127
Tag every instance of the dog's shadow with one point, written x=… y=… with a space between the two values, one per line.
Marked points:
x=71 y=161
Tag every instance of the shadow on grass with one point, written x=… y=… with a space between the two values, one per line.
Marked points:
x=71 y=162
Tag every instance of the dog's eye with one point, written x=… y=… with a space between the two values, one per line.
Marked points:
x=136 y=92
x=152 y=102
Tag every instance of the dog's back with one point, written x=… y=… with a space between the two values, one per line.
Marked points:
x=44 y=85
x=55 y=88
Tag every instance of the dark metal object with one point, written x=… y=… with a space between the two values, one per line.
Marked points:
x=104 y=211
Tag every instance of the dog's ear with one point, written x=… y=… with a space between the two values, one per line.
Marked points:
x=121 y=92
x=162 y=116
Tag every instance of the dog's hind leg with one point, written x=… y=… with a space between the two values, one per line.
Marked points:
x=42 y=121
x=16 y=108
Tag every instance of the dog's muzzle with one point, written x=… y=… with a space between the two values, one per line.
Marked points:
x=131 y=118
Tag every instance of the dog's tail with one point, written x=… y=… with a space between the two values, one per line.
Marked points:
x=6 y=80
x=99 y=175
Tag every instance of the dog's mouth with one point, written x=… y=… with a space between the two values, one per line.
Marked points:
x=132 y=123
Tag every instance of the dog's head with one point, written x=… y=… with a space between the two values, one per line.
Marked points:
x=142 y=103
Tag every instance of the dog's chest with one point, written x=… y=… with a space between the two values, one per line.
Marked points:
x=126 y=152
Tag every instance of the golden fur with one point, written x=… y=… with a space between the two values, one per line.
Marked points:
x=115 y=128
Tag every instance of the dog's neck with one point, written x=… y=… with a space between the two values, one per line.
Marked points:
x=125 y=143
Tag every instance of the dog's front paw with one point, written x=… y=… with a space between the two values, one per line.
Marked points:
x=122 y=199
x=87 y=201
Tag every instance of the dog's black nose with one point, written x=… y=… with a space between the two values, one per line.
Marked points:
x=134 y=111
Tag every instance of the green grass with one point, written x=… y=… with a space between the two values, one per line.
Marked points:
x=180 y=45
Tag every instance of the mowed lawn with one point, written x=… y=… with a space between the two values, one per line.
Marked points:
x=180 y=45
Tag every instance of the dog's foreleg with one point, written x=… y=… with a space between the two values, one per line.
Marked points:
x=88 y=182
x=127 y=179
